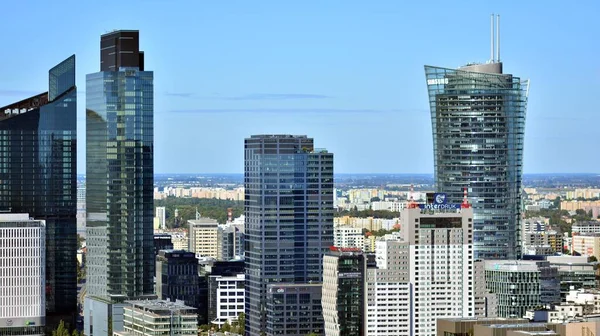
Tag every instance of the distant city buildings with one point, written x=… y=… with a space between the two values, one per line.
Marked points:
x=236 y=194
x=288 y=217
x=22 y=275
x=345 y=236
x=538 y=239
x=478 y=124
x=119 y=183
x=368 y=223
x=38 y=170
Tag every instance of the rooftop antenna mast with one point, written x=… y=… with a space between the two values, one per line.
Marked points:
x=492 y=38
x=497 y=38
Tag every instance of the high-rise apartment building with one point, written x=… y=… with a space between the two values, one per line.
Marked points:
x=38 y=170
x=478 y=123
x=343 y=294
x=22 y=275
x=288 y=216
x=119 y=182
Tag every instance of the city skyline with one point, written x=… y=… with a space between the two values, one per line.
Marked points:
x=262 y=79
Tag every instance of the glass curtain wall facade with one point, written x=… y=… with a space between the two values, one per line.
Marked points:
x=289 y=216
x=119 y=196
x=38 y=175
x=478 y=123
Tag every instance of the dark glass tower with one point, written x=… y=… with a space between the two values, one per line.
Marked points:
x=289 y=216
x=119 y=182
x=478 y=122
x=38 y=172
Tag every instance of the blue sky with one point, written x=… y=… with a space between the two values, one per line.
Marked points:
x=348 y=73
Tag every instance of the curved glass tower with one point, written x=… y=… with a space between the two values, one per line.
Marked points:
x=478 y=123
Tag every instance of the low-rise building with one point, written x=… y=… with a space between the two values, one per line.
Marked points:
x=587 y=245
x=520 y=285
x=583 y=228
x=158 y=318
x=226 y=298
x=575 y=272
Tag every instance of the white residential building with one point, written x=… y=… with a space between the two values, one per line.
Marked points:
x=389 y=206
x=161 y=217
x=586 y=227
x=22 y=275
x=347 y=236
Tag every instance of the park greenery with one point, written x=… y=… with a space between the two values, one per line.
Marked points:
x=386 y=214
x=207 y=207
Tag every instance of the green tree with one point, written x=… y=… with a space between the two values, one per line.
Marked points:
x=592 y=259
x=61 y=330
x=312 y=334
x=241 y=324
x=225 y=327
x=75 y=333
x=208 y=207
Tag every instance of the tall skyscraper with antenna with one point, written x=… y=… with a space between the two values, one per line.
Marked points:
x=478 y=124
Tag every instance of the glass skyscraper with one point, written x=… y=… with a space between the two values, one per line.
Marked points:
x=38 y=176
x=289 y=217
x=478 y=122
x=119 y=182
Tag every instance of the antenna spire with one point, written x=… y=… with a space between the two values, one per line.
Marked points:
x=497 y=38
x=492 y=38
x=412 y=204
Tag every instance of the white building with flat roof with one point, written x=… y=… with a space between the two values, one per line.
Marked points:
x=22 y=275
x=347 y=236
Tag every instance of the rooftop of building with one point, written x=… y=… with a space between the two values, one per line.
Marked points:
x=513 y=265
x=204 y=222
x=160 y=306
x=278 y=136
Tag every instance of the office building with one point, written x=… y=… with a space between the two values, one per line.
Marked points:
x=574 y=272
x=346 y=236
x=520 y=285
x=230 y=242
x=288 y=213
x=158 y=318
x=119 y=182
x=161 y=216
x=226 y=295
x=478 y=124
x=203 y=237
x=294 y=309
x=344 y=291
x=162 y=241
x=486 y=303
x=465 y=326
x=177 y=277
x=22 y=275
x=38 y=170
x=218 y=276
